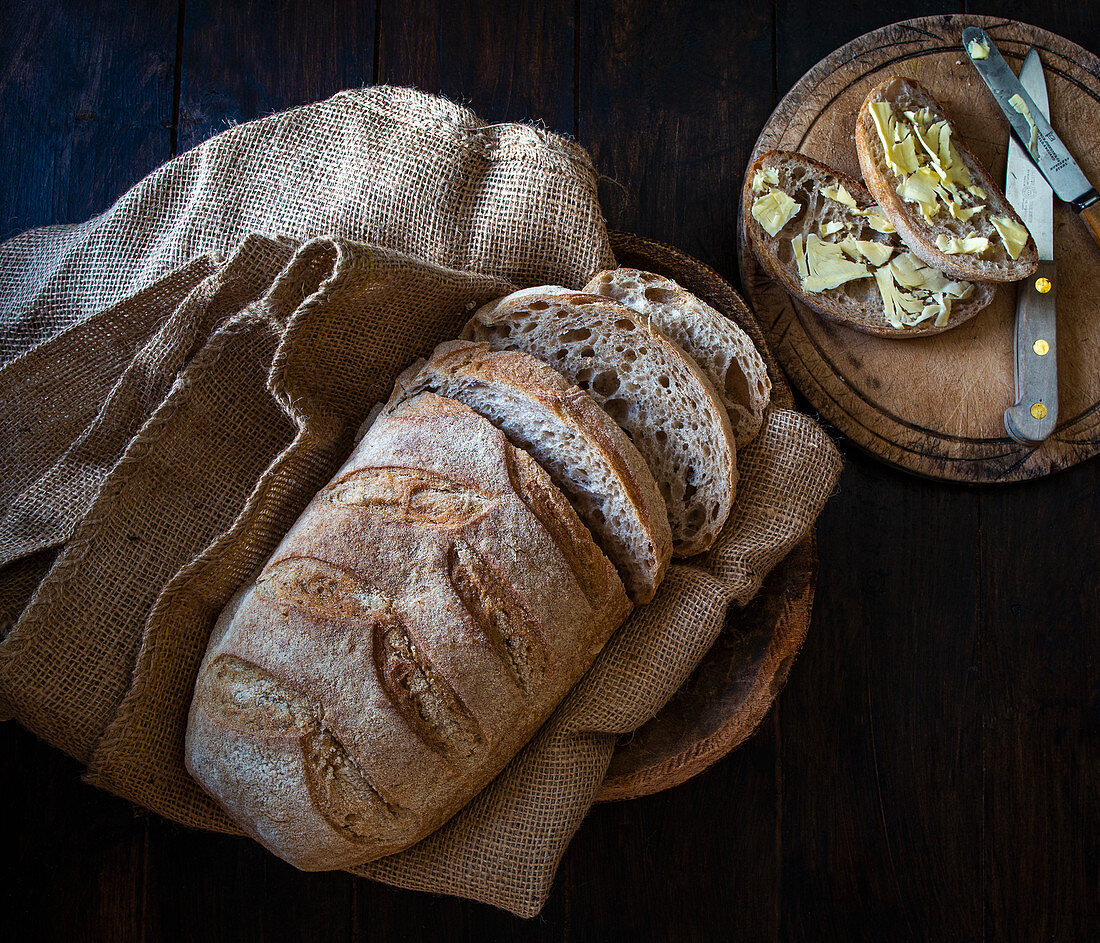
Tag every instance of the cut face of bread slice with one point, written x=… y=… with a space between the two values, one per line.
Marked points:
x=645 y=382
x=935 y=191
x=586 y=454
x=721 y=349
x=820 y=234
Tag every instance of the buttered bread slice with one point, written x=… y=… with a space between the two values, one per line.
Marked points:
x=821 y=235
x=644 y=381
x=935 y=191
x=585 y=453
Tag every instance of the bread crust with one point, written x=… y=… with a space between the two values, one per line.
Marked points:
x=589 y=338
x=413 y=629
x=920 y=234
x=836 y=305
x=464 y=369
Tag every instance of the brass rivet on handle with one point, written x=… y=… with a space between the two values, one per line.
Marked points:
x=1042 y=285
x=1041 y=347
x=1038 y=410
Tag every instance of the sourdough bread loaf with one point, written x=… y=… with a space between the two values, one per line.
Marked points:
x=871 y=281
x=417 y=624
x=586 y=454
x=722 y=350
x=644 y=381
x=942 y=201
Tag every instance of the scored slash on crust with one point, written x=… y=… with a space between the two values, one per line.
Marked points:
x=244 y=697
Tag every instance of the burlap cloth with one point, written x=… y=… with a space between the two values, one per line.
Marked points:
x=179 y=376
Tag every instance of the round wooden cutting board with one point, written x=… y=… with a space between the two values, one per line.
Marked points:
x=738 y=679
x=935 y=406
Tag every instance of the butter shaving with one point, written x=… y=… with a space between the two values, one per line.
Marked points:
x=800 y=258
x=1019 y=105
x=876 y=253
x=977 y=50
x=828 y=268
x=968 y=245
x=877 y=220
x=765 y=179
x=774 y=210
x=920 y=187
x=849 y=248
x=888 y=291
x=839 y=195
x=1012 y=234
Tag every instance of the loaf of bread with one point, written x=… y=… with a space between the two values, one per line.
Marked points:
x=417 y=624
x=942 y=201
x=585 y=453
x=645 y=382
x=819 y=233
x=722 y=350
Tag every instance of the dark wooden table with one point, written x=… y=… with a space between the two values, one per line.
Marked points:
x=930 y=771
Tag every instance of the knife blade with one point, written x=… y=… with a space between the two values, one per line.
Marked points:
x=1031 y=126
x=1025 y=187
x=1033 y=416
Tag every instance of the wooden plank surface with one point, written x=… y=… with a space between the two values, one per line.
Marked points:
x=882 y=733
x=930 y=770
x=86 y=105
x=86 y=110
x=1040 y=685
x=243 y=61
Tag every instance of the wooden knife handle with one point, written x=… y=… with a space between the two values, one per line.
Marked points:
x=1034 y=414
x=1091 y=216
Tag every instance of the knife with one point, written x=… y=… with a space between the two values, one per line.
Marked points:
x=1032 y=128
x=1031 y=419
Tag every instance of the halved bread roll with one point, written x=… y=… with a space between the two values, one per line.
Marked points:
x=645 y=382
x=586 y=454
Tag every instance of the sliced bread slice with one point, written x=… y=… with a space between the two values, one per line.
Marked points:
x=586 y=454
x=645 y=382
x=724 y=352
x=821 y=235
x=937 y=194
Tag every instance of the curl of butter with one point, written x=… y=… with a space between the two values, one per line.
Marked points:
x=1012 y=234
x=1018 y=104
x=774 y=210
x=978 y=50
x=968 y=245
